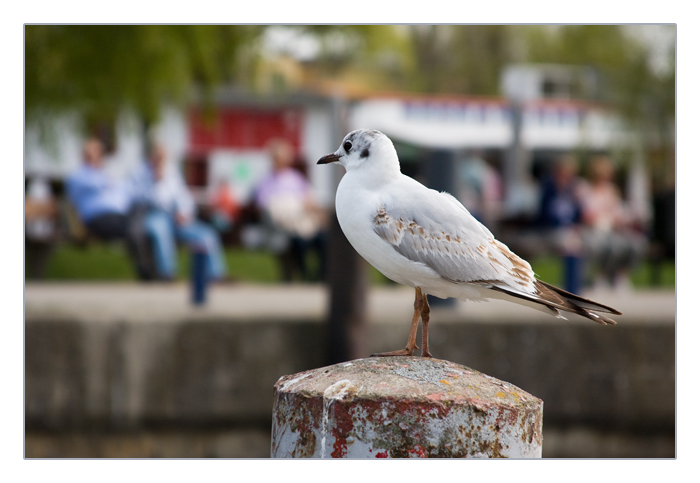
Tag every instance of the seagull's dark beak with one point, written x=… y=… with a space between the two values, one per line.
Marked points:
x=328 y=158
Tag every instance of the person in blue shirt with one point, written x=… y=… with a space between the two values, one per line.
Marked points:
x=102 y=203
x=561 y=212
x=171 y=216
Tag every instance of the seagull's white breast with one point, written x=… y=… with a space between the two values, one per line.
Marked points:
x=356 y=207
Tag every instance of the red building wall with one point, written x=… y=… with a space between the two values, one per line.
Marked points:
x=243 y=128
x=236 y=128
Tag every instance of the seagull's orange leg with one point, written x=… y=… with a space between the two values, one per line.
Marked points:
x=425 y=318
x=411 y=344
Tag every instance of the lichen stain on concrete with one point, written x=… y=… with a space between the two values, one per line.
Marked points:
x=532 y=433
x=342 y=429
x=301 y=419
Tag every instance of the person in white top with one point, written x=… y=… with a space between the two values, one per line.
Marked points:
x=171 y=216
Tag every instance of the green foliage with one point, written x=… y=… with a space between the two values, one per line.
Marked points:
x=251 y=266
x=98 y=70
x=92 y=262
x=630 y=79
x=469 y=59
x=111 y=262
x=459 y=59
x=379 y=55
x=600 y=45
x=550 y=270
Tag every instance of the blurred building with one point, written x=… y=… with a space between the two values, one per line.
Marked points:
x=228 y=143
x=539 y=117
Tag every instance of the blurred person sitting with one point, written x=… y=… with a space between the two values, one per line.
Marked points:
x=612 y=242
x=480 y=188
x=561 y=214
x=170 y=217
x=40 y=227
x=292 y=218
x=103 y=204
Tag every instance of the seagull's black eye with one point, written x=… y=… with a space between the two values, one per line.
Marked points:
x=347 y=146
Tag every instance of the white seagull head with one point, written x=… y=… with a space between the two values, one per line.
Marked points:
x=365 y=149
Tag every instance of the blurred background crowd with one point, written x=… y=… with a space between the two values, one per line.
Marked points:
x=564 y=132
x=160 y=154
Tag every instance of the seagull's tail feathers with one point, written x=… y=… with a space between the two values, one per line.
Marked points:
x=557 y=299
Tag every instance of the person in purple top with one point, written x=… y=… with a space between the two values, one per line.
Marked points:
x=283 y=182
x=292 y=217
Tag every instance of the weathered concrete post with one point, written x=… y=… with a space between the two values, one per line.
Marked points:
x=403 y=407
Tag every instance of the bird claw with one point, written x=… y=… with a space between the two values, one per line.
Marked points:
x=402 y=352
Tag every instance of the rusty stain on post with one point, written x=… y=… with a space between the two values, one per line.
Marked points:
x=403 y=407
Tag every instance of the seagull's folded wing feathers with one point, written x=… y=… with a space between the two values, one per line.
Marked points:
x=444 y=236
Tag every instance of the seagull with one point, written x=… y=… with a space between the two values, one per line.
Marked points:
x=428 y=240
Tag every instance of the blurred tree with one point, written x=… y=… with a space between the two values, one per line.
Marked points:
x=464 y=59
x=634 y=77
x=460 y=59
x=96 y=71
x=469 y=59
x=624 y=62
x=363 y=56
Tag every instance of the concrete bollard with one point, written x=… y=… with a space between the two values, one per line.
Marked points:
x=403 y=407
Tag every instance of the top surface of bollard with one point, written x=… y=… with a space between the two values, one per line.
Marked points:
x=407 y=378
x=403 y=407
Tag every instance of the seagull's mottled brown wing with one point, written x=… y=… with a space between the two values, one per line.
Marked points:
x=460 y=249
x=451 y=242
